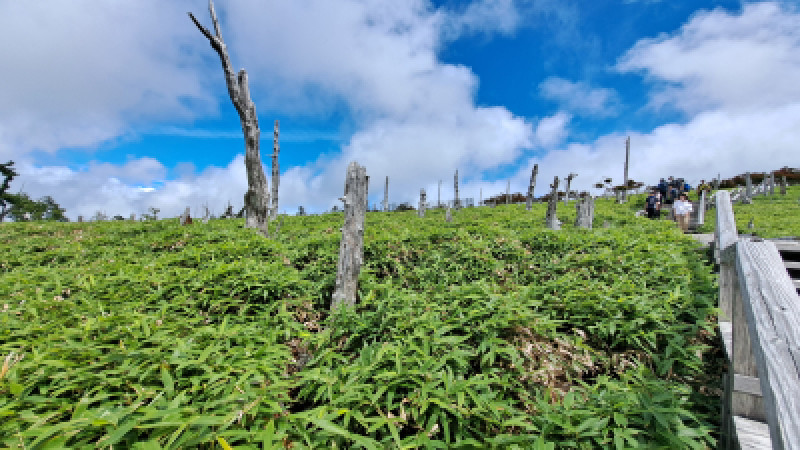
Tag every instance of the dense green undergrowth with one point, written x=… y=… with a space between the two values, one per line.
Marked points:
x=487 y=332
x=773 y=216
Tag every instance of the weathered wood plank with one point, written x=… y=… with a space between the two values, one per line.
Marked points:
x=747 y=385
x=751 y=434
x=772 y=308
x=726 y=330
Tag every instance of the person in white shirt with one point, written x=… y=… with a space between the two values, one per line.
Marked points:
x=682 y=207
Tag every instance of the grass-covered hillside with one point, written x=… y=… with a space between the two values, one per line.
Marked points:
x=487 y=332
x=773 y=216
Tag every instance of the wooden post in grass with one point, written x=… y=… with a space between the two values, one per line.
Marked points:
x=531 y=186
x=276 y=174
x=584 y=212
x=783 y=185
x=422 y=203
x=386 y=195
x=551 y=221
x=625 y=175
x=351 y=248
x=256 y=199
x=748 y=196
x=508 y=192
x=448 y=216
x=456 y=203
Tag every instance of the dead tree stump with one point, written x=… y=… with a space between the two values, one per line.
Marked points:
x=531 y=186
x=456 y=202
x=422 y=203
x=585 y=212
x=351 y=248
x=276 y=173
x=551 y=221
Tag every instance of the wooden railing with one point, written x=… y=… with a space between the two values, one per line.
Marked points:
x=760 y=324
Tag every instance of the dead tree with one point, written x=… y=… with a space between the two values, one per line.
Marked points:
x=422 y=203
x=569 y=184
x=256 y=199
x=456 y=203
x=585 y=212
x=748 y=196
x=448 y=216
x=625 y=175
x=386 y=195
x=783 y=185
x=508 y=192
x=276 y=174
x=185 y=218
x=351 y=248
x=531 y=186
x=551 y=221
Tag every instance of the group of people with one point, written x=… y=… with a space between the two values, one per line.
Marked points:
x=673 y=192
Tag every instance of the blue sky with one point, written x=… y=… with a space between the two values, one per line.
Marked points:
x=117 y=106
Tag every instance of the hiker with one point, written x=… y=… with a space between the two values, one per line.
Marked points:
x=682 y=207
x=653 y=205
x=662 y=188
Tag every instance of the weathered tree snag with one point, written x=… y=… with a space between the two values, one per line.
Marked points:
x=366 y=194
x=748 y=196
x=256 y=199
x=551 y=221
x=531 y=186
x=585 y=212
x=480 y=199
x=508 y=192
x=386 y=195
x=80 y=219
x=625 y=175
x=783 y=185
x=448 y=216
x=569 y=183
x=351 y=248
x=133 y=217
x=276 y=174
x=185 y=218
x=422 y=203
x=206 y=215
x=456 y=202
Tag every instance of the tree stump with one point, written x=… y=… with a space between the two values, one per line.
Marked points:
x=351 y=248
x=551 y=221
x=585 y=212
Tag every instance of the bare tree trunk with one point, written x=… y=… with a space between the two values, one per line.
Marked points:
x=422 y=203
x=569 y=186
x=351 y=248
x=448 y=216
x=748 y=196
x=508 y=192
x=276 y=174
x=551 y=221
x=585 y=212
x=256 y=199
x=386 y=195
x=783 y=185
x=531 y=186
x=456 y=202
x=480 y=200
x=625 y=175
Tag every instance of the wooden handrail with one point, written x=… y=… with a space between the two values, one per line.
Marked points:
x=760 y=323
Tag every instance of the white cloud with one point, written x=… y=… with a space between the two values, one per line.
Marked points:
x=551 y=131
x=79 y=73
x=724 y=60
x=579 y=97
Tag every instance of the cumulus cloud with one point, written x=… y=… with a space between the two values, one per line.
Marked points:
x=579 y=97
x=723 y=60
x=81 y=73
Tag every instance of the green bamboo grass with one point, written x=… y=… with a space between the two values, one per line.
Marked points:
x=487 y=332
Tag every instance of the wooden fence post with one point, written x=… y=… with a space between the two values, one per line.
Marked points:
x=531 y=186
x=351 y=248
x=422 y=204
x=783 y=185
x=551 y=221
